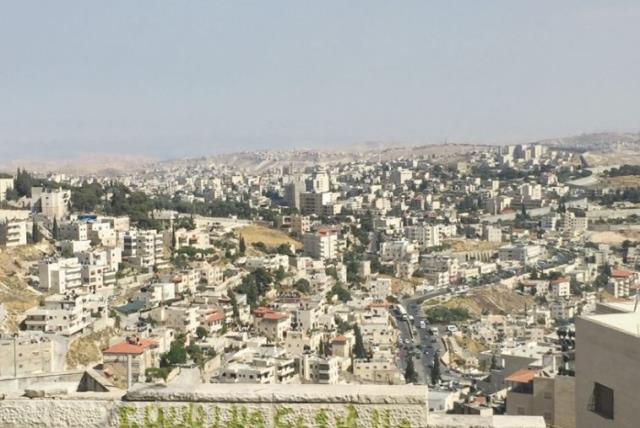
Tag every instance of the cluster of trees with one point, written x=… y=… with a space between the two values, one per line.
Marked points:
x=303 y=286
x=626 y=195
x=359 y=350
x=254 y=285
x=442 y=315
x=623 y=170
x=178 y=354
x=410 y=374
x=87 y=197
x=343 y=294
x=135 y=205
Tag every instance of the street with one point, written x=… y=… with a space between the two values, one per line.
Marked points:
x=420 y=341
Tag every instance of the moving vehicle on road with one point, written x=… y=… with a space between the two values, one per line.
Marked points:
x=401 y=312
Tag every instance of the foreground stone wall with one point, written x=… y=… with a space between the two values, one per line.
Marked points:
x=240 y=406
x=229 y=406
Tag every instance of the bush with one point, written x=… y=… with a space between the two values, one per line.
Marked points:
x=443 y=315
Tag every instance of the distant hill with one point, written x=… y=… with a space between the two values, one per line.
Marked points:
x=99 y=164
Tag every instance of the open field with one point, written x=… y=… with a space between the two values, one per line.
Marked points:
x=621 y=182
x=461 y=245
x=270 y=237
x=613 y=237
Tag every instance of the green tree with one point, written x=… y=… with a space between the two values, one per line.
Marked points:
x=303 y=286
x=23 y=183
x=410 y=374
x=494 y=362
x=177 y=353
x=201 y=332
x=358 y=348
x=242 y=246
x=343 y=294
x=234 y=305
x=55 y=230
x=435 y=369
x=36 y=235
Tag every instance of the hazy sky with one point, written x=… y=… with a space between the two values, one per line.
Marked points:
x=185 y=78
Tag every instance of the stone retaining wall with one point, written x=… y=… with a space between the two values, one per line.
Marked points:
x=240 y=406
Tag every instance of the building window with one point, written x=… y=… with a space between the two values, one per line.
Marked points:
x=602 y=401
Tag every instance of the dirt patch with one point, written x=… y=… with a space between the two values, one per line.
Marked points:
x=15 y=293
x=612 y=237
x=621 y=182
x=460 y=245
x=495 y=300
x=269 y=237
x=87 y=350
x=470 y=345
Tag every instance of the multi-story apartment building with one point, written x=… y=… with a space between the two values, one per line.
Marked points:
x=607 y=357
x=426 y=235
x=67 y=313
x=271 y=324
x=13 y=233
x=322 y=244
x=401 y=250
x=74 y=230
x=133 y=354
x=319 y=369
x=292 y=193
x=491 y=233
x=60 y=275
x=574 y=226
x=314 y=203
x=144 y=248
x=263 y=365
x=53 y=203
x=526 y=254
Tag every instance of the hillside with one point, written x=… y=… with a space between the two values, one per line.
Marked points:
x=496 y=299
x=15 y=293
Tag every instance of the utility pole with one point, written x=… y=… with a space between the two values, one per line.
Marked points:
x=129 y=374
x=15 y=355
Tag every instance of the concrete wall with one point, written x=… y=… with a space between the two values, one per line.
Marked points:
x=21 y=382
x=611 y=357
x=564 y=411
x=239 y=406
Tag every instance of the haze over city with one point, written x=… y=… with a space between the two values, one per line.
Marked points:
x=330 y=214
x=174 y=79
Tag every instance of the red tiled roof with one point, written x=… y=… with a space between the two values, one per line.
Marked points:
x=522 y=376
x=274 y=316
x=560 y=280
x=216 y=316
x=128 y=348
x=340 y=339
x=619 y=273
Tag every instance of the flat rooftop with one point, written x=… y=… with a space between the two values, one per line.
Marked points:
x=628 y=323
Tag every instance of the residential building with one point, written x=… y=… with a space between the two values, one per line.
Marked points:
x=322 y=244
x=13 y=233
x=60 y=275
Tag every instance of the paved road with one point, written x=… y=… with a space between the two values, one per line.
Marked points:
x=420 y=340
x=187 y=377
